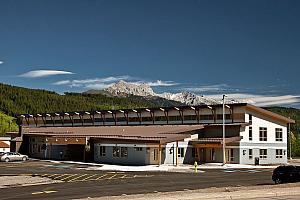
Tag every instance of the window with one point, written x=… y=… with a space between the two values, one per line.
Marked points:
x=263 y=153
x=278 y=132
x=279 y=153
x=102 y=151
x=194 y=153
x=250 y=119
x=262 y=134
x=124 y=152
x=138 y=148
x=155 y=154
x=181 y=152
x=250 y=154
x=116 y=151
x=212 y=154
x=250 y=133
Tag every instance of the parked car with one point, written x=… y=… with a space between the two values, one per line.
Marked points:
x=13 y=156
x=285 y=174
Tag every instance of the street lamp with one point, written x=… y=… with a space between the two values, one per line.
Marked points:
x=224 y=155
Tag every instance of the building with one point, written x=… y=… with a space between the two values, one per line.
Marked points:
x=4 y=144
x=166 y=135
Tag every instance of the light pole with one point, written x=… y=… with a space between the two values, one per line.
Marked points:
x=290 y=137
x=223 y=143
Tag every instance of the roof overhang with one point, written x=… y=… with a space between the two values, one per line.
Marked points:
x=158 y=133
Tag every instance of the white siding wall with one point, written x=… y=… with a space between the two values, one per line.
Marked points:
x=271 y=144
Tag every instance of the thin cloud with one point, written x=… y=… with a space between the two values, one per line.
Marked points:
x=93 y=83
x=262 y=100
x=157 y=83
x=207 y=88
x=43 y=73
x=1 y=62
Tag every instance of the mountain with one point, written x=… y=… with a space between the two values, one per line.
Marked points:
x=123 y=88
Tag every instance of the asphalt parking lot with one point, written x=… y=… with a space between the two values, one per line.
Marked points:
x=80 y=181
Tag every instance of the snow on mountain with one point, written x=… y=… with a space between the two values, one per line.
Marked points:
x=123 y=88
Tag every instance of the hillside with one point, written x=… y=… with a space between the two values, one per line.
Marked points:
x=293 y=113
x=7 y=124
x=18 y=100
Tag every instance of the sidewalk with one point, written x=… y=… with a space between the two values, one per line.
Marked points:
x=163 y=168
x=254 y=192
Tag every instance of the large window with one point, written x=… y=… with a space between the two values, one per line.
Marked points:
x=102 y=151
x=250 y=133
x=124 y=152
x=116 y=151
x=263 y=153
x=181 y=152
x=120 y=152
x=279 y=153
x=278 y=132
x=262 y=134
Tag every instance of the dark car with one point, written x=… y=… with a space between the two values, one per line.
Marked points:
x=286 y=174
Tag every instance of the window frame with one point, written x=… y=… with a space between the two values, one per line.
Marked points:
x=180 y=152
x=263 y=153
x=263 y=134
x=280 y=132
x=102 y=151
x=278 y=154
x=250 y=133
x=250 y=151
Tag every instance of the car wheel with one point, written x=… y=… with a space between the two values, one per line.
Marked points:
x=6 y=159
x=278 y=181
x=24 y=158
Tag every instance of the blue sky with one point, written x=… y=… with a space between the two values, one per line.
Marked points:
x=241 y=48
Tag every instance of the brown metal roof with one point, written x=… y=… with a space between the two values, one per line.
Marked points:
x=217 y=140
x=3 y=145
x=270 y=114
x=153 y=132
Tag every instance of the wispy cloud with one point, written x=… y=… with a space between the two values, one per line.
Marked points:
x=207 y=88
x=262 y=100
x=157 y=83
x=93 y=83
x=43 y=73
x=105 y=82
x=1 y=62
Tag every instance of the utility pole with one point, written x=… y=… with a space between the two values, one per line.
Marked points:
x=290 y=136
x=223 y=145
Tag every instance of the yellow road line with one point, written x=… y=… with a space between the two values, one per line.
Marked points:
x=37 y=193
x=76 y=178
x=58 y=177
x=112 y=176
x=52 y=175
x=50 y=191
x=101 y=177
x=89 y=177
x=71 y=175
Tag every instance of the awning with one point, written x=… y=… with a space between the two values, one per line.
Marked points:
x=216 y=140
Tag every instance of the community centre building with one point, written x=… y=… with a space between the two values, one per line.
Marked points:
x=165 y=135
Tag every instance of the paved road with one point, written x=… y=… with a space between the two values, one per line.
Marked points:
x=78 y=182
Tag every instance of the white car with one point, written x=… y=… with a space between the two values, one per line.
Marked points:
x=13 y=156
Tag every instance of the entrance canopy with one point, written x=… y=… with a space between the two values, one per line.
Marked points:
x=213 y=142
